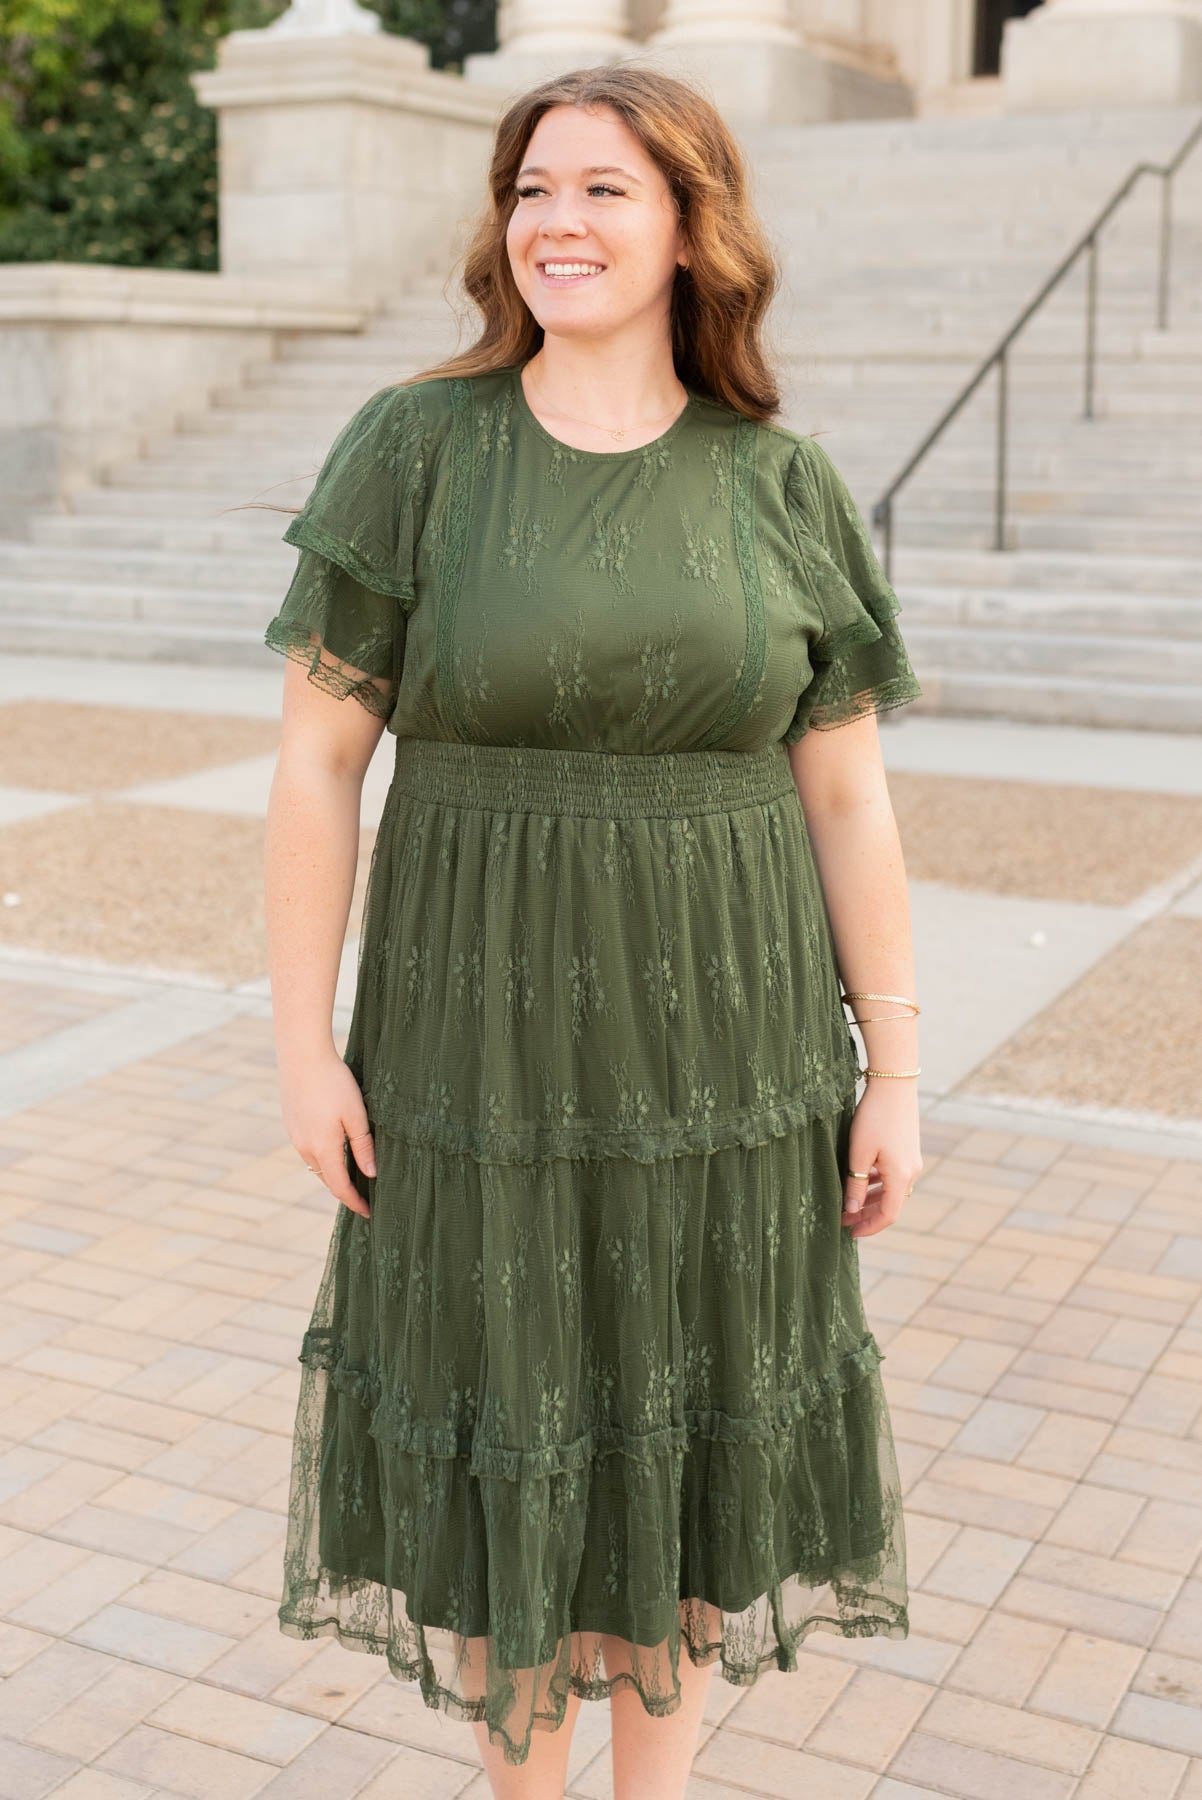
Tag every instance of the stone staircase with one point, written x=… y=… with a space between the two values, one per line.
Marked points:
x=929 y=238
x=908 y=246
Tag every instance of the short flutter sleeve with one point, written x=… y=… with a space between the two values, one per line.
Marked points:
x=346 y=610
x=859 y=660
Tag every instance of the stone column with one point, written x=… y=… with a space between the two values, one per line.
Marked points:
x=344 y=159
x=1094 y=52
x=760 y=69
x=540 y=38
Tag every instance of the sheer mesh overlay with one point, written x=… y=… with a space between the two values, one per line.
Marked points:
x=593 y=1388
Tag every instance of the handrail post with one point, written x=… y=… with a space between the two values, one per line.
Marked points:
x=882 y=512
x=1162 y=295
x=1091 y=324
x=999 y=526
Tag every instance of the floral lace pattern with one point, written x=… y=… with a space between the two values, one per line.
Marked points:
x=592 y=1388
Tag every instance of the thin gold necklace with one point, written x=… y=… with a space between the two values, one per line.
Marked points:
x=625 y=428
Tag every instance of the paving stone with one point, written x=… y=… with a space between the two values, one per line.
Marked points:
x=1085 y=1679
x=974 y=1774
x=1130 y=1771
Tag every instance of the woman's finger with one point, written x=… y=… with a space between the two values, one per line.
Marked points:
x=884 y=1208
x=363 y=1149
x=336 y=1176
x=863 y=1180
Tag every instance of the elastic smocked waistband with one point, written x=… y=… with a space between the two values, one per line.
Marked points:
x=593 y=783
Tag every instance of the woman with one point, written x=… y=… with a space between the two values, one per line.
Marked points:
x=589 y=1405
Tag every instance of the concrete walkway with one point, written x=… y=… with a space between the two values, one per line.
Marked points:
x=1040 y=1303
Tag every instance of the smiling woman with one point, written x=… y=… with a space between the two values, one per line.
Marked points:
x=590 y=1407
x=619 y=238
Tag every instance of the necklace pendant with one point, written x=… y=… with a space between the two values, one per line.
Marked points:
x=618 y=434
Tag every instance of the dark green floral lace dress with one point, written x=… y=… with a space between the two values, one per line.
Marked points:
x=598 y=1361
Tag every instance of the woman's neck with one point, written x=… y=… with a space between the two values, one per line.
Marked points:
x=607 y=391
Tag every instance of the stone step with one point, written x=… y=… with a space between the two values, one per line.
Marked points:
x=1083 y=655
x=1067 y=571
x=117 y=510
x=973 y=500
x=135 y=640
x=1113 y=614
x=1058 y=700
x=175 y=606
x=150 y=531
x=1163 y=537
x=255 y=568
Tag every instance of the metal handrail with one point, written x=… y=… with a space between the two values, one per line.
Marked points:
x=882 y=512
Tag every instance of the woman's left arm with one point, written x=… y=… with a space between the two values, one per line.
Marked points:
x=844 y=793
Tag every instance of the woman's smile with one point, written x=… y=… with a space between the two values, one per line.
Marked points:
x=567 y=271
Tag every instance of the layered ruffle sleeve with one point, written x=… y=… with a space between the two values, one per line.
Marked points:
x=859 y=660
x=345 y=613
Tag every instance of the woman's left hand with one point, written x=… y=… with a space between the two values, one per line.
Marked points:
x=883 y=1141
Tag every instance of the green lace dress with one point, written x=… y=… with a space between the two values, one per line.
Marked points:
x=598 y=1361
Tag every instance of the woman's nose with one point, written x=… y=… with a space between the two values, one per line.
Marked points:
x=563 y=217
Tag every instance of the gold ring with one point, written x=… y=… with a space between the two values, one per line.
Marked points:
x=856 y=1175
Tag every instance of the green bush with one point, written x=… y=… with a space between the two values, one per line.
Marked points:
x=106 y=155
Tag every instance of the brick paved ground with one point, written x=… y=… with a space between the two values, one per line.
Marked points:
x=1039 y=1305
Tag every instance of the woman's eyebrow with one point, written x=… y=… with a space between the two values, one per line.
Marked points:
x=592 y=169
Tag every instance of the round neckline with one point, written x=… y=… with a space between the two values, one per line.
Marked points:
x=531 y=417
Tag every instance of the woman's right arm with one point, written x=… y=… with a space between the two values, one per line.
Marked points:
x=310 y=856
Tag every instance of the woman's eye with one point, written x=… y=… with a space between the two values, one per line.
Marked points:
x=596 y=186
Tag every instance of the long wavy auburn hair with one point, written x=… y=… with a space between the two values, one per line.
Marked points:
x=718 y=302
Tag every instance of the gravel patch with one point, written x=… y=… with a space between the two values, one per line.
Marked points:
x=1099 y=845
x=74 y=748
x=1125 y=1035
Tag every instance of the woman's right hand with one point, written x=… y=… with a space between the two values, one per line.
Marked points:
x=322 y=1106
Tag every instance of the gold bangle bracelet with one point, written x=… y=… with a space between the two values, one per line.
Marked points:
x=872 y=1017
x=892 y=1074
x=863 y=994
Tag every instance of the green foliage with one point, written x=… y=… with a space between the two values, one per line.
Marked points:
x=106 y=155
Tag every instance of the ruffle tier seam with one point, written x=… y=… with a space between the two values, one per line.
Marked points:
x=320 y=1351
x=749 y=1127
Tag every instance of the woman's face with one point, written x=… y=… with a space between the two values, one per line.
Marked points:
x=587 y=192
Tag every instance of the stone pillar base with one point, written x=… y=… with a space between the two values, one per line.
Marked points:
x=759 y=81
x=1060 y=59
x=344 y=160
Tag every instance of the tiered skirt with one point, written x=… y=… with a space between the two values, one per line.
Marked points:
x=593 y=1387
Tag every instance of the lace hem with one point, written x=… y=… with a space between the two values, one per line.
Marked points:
x=589 y=1140
x=735 y=1666
x=898 y=691
x=892 y=1621
x=391 y=1424
x=303 y=645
